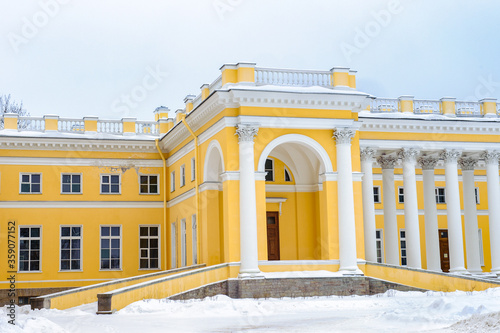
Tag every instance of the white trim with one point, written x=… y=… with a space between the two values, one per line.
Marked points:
x=183 y=243
x=429 y=145
x=209 y=186
x=178 y=199
x=357 y=176
x=214 y=144
x=299 y=139
x=480 y=212
x=381 y=240
x=194 y=239
x=291 y=188
x=437 y=178
x=481 y=248
x=193 y=169
x=68 y=161
x=328 y=177
x=265 y=172
x=189 y=147
x=172 y=181
x=260 y=176
x=275 y=200
x=298 y=262
x=173 y=245
x=47 y=281
x=292 y=122
x=230 y=175
x=182 y=176
x=81 y=204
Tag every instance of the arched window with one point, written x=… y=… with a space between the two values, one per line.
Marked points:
x=269 y=168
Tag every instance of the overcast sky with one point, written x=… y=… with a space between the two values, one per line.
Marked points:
x=119 y=58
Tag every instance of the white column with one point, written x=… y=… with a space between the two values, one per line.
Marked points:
x=470 y=215
x=455 y=236
x=389 y=199
x=493 y=180
x=409 y=158
x=368 y=204
x=248 y=206
x=428 y=164
x=347 y=227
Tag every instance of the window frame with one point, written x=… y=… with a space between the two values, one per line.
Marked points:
x=193 y=169
x=172 y=181
x=100 y=247
x=273 y=169
x=71 y=184
x=436 y=192
x=194 y=238
x=149 y=248
x=401 y=257
x=183 y=233
x=30 y=174
x=285 y=171
x=19 y=248
x=481 y=247
x=401 y=194
x=476 y=193
x=173 y=245
x=379 y=200
x=119 y=183
x=182 y=176
x=379 y=240
x=71 y=238
x=149 y=183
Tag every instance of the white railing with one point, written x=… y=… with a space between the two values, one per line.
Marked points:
x=384 y=105
x=426 y=106
x=217 y=84
x=31 y=124
x=71 y=125
x=468 y=109
x=110 y=126
x=146 y=127
x=298 y=78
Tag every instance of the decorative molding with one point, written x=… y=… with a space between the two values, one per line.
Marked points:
x=437 y=178
x=429 y=146
x=230 y=175
x=328 y=176
x=181 y=197
x=490 y=157
x=357 y=176
x=428 y=162
x=467 y=163
x=246 y=132
x=97 y=162
x=189 y=147
x=210 y=186
x=367 y=154
x=343 y=135
x=387 y=161
x=441 y=212
x=291 y=188
x=450 y=156
x=408 y=154
x=275 y=200
x=260 y=176
x=81 y=204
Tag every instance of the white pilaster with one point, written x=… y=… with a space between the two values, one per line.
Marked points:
x=409 y=158
x=390 y=219
x=470 y=215
x=455 y=236
x=347 y=227
x=491 y=159
x=368 y=204
x=430 y=213
x=248 y=206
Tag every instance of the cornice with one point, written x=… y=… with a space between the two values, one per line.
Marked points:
x=98 y=162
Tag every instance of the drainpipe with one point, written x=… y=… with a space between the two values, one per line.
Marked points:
x=164 y=201
x=196 y=181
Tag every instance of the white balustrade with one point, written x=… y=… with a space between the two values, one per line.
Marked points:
x=146 y=127
x=31 y=124
x=110 y=126
x=384 y=105
x=71 y=125
x=217 y=84
x=423 y=106
x=468 y=109
x=298 y=78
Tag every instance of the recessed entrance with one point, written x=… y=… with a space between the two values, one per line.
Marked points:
x=444 y=250
x=273 y=236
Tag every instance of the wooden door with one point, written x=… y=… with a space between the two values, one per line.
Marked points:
x=273 y=236
x=444 y=250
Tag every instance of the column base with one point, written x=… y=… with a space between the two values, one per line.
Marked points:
x=251 y=275
x=496 y=271
x=459 y=270
x=351 y=271
x=475 y=271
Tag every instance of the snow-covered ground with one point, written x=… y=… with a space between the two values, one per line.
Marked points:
x=390 y=312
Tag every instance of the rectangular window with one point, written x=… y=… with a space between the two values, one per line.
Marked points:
x=110 y=247
x=149 y=184
x=194 y=239
x=183 y=243
x=193 y=169
x=71 y=183
x=401 y=194
x=376 y=194
x=476 y=192
x=30 y=183
x=440 y=195
x=110 y=184
x=172 y=181
x=183 y=176
x=269 y=168
x=71 y=248
x=402 y=240
x=481 y=253
x=379 y=243
x=149 y=242
x=30 y=247
x=173 y=245
x=288 y=178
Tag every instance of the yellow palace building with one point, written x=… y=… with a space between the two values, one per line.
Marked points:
x=265 y=168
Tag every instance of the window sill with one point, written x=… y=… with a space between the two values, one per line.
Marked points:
x=111 y=193
x=30 y=193
x=71 y=193
x=70 y=270
x=150 y=269
x=149 y=193
x=111 y=270
x=23 y=272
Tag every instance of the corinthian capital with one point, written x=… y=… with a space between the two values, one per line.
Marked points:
x=490 y=157
x=367 y=154
x=408 y=154
x=467 y=163
x=450 y=155
x=343 y=135
x=387 y=161
x=427 y=162
x=246 y=132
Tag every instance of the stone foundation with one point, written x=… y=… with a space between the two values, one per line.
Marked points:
x=294 y=287
x=28 y=293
